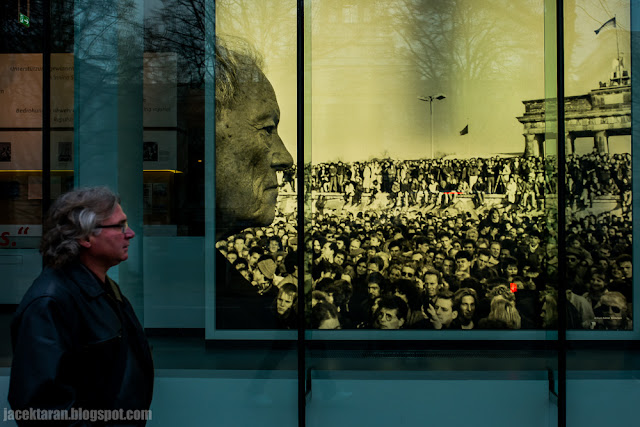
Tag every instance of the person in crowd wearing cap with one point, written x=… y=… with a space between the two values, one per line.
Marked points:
x=263 y=276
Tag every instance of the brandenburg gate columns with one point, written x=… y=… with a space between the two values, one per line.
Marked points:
x=601 y=141
x=531 y=145
x=569 y=144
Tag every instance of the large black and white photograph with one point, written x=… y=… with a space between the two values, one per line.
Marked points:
x=431 y=193
x=434 y=172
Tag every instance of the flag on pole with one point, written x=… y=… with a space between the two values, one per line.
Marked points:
x=465 y=130
x=610 y=22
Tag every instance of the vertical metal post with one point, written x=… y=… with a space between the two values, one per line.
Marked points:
x=562 y=296
x=46 y=108
x=301 y=176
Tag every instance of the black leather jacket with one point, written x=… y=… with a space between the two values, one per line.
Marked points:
x=78 y=345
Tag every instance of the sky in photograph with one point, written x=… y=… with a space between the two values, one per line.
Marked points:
x=368 y=61
x=368 y=106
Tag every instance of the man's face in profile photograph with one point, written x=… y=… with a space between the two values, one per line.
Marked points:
x=249 y=151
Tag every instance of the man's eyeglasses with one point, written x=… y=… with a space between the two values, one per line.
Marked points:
x=407 y=274
x=122 y=226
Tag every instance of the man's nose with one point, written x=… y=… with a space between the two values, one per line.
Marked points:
x=129 y=234
x=281 y=158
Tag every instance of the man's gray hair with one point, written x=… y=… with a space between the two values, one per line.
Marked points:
x=71 y=218
x=236 y=62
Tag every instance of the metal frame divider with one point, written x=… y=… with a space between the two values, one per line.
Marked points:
x=562 y=296
x=301 y=344
x=46 y=108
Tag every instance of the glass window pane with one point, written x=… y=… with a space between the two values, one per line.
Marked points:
x=255 y=147
x=598 y=166
x=426 y=196
x=21 y=135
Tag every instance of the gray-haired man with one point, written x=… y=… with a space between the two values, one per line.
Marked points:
x=76 y=340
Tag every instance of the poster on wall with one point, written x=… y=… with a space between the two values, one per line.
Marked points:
x=20 y=90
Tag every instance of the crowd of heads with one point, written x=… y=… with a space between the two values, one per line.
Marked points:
x=409 y=270
x=417 y=268
x=267 y=258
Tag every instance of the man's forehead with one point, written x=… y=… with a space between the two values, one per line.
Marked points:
x=256 y=99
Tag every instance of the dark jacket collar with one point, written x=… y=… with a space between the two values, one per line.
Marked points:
x=87 y=282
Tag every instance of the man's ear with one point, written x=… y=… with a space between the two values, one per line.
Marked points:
x=401 y=322
x=85 y=243
x=454 y=314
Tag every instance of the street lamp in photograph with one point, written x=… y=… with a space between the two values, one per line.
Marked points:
x=430 y=98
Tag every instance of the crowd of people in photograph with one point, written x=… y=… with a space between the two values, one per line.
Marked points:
x=435 y=183
x=396 y=268
x=594 y=175
x=523 y=181
x=413 y=271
